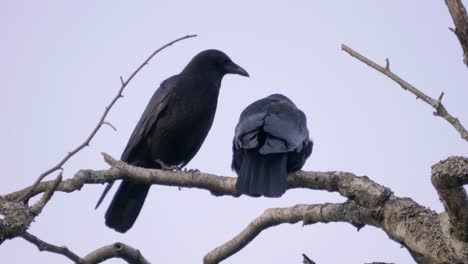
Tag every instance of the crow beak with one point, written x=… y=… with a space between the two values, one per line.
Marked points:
x=235 y=69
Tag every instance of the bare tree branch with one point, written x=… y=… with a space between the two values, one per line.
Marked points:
x=448 y=177
x=80 y=178
x=18 y=216
x=413 y=226
x=37 y=208
x=360 y=189
x=419 y=230
x=436 y=104
x=116 y=250
x=460 y=19
x=102 y=121
x=309 y=214
x=44 y=246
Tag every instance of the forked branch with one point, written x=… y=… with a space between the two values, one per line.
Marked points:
x=440 y=109
x=403 y=220
x=101 y=122
x=44 y=246
x=116 y=250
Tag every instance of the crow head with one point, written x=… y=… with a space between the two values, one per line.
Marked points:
x=215 y=62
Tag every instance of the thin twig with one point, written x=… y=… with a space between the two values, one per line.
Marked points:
x=44 y=246
x=436 y=104
x=101 y=121
x=110 y=125
x=37 y=208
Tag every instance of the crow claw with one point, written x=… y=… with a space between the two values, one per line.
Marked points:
x=167 y=167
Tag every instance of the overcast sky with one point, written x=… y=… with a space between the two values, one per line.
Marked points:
x=60 y=65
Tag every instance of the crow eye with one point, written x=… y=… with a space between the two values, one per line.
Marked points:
x=223 y=63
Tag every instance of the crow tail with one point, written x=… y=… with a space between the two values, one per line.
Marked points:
x=262 y=174
x=126 y=205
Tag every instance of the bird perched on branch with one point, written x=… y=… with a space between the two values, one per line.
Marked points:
x=270 y=141
x=171 y=130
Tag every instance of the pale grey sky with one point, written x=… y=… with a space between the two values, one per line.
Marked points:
x=60 y=65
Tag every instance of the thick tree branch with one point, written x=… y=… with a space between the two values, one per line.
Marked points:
x=413 y=226
x=101 y=122
x=116 y=250
x=360 y=189
x=44 y=246
x=418 y=229
x=460 y=19
x=448 y=177
x=309 y=214
x=440 y=109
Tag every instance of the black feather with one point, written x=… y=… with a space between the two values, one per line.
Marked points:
x=262 y=174
x=172 y=128
x=271 y=140
x=126 y=205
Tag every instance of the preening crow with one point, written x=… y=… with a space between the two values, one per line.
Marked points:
x=171 y=130
x=270 y=141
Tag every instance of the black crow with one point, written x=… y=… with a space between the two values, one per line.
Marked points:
x=270 y=141
x=171 y=130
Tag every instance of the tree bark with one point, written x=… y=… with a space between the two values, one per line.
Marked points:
x=428 y=236
x=460 y=19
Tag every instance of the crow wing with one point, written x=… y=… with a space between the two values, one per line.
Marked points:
x=284 y=124
x=155 y=108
